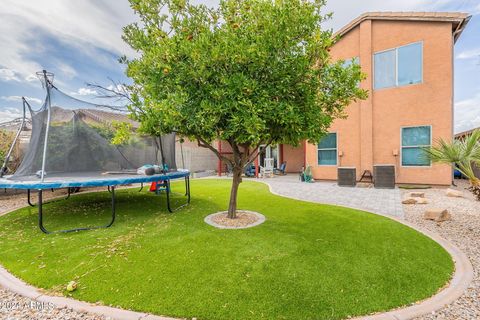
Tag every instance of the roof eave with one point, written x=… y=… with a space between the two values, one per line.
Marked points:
x=462 y=22
x=461 y=26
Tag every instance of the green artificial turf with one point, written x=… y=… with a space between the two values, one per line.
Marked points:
x=307 y=261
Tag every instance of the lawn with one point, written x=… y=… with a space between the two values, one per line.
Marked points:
x=307 y=261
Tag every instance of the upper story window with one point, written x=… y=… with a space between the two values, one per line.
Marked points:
x=327 y=150
x=399 y=66
x=348 y=62
x=414 y=139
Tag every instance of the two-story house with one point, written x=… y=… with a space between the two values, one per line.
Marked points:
x=408 y=59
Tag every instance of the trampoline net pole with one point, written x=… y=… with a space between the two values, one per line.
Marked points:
x=73 y=138
x=49 y=106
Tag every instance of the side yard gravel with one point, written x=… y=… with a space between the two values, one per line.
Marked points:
x=463 y=231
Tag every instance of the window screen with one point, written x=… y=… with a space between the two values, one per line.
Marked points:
x=327 y=150
x=414 y=139
x=384 y=76
x=410 y=64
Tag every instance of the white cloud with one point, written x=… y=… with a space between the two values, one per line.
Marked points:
x=66 y=70
x=8 y=75
x=467 y=114
x=85 y=92
x=31 y=78
x=85 y=25
x=469 y=54
x=19 y=98
x=118 y=87
x=8 y=114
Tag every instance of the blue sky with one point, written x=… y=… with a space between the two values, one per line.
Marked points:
x=80 y=41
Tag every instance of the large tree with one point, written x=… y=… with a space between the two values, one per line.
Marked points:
x=251 y=73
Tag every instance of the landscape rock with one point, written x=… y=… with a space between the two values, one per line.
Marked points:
x=409 y=201
x=437 y=214
x=422 y=201
x=417 y=194
x=454 y=193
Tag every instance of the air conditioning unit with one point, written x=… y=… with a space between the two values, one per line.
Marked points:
x=347 y=176
x=384 y=176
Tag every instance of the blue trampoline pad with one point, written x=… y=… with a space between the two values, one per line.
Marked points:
x=85 y=179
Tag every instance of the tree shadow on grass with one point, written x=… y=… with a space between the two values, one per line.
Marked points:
x=91 y=209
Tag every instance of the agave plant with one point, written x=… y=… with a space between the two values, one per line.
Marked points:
x=464 y=153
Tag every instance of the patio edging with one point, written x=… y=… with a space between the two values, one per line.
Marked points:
x=462 y=277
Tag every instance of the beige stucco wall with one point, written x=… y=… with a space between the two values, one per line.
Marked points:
x=294 y=157
x=371 y=133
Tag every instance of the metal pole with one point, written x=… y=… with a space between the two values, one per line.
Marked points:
x=183 y=159
x=49 y=106
x=7 y=158
x=161 y=153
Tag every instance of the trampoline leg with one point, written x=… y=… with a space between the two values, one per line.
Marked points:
x=187 y=182
x=113 y=209
x=141 y=188
x=44 y=230
x=187 y=193
x=40 y=212
x=29 y=200
x=167 y=191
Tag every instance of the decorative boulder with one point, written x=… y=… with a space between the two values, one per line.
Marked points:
x=453 y=193
x=422 y=201
x=417 y=194
x=409 y=201
x=437 y=215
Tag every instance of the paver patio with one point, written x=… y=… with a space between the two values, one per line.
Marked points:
x=384 y=201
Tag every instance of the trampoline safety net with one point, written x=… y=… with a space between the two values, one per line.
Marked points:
x=76 y=144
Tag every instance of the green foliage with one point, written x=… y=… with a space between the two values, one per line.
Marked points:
x=104 y=131
x=462 y=152
x=6 y=139
x=307 y=261
x=248 y=72
x=123 y=132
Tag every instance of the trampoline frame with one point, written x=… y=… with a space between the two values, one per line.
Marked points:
x=48 y=182
x=162 y=184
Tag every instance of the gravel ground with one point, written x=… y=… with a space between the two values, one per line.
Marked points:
x=463 y=231
x=13 y=307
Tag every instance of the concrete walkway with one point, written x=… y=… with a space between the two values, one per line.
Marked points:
x=384 y=201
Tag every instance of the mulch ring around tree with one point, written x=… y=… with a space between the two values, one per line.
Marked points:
x=244 y=219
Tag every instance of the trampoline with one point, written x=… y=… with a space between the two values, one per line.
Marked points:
x=68 y=151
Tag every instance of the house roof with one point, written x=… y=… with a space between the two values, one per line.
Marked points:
x=458 y=19
x=107 y=117
x=465 y=133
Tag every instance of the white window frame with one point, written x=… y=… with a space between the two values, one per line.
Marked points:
x=396 y=66
x=401 y=145
x=329 y=149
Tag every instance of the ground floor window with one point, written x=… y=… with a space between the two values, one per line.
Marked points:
x=414 y=139
x=327 y=150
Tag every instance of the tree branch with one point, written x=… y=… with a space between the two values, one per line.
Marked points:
x=202 y=143
x=256 y=151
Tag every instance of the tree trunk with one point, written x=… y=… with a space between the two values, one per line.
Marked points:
x=237 y=179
